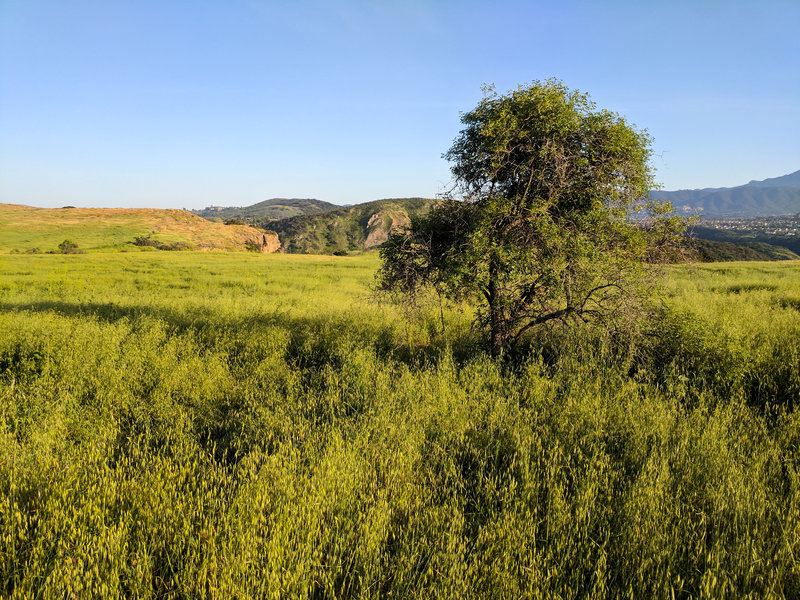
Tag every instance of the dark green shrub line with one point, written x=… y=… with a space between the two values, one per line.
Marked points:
x=146 y=240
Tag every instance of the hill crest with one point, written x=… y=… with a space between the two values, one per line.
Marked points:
x=267 y=210
x=27 y=229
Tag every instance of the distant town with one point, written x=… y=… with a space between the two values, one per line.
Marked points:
x=785 y=226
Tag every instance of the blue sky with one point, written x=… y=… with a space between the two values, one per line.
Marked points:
x=193 y=103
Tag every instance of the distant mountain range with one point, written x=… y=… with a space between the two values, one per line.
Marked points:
x=771 y=197
x=313 y=226
x=268 y=210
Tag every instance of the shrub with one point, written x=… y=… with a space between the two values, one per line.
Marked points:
x=69 y=247
x=252 y=246
x=147 y=241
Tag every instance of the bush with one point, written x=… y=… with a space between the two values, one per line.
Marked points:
x=69 y=247
x=252 y=246
x=147 y=241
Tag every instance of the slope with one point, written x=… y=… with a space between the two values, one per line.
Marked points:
x=790 y=180
x=28 y=229
x=719 y=251
x=790 y=242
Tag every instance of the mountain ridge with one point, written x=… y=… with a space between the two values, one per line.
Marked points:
x=789 y=180
x=272 y=209
x=772 y=197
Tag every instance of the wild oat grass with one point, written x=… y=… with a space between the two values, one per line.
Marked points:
x=239 y=426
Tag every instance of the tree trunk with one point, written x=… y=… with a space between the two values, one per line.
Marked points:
x=497 y=324
x=498 y=337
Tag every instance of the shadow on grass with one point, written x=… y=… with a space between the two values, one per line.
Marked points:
x=308 y=344
x=314 y=341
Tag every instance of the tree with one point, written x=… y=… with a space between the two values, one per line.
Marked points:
x=554 y=221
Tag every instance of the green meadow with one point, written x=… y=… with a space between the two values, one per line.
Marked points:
x=223 y=425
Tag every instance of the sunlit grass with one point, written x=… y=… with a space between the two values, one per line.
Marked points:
x=243 y=426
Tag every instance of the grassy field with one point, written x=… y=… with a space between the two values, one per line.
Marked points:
x=25 y=229
x=211 y=425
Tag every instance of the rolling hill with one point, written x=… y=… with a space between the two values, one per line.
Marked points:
x=351 y=228
x=268 y=210
x=771 y=197
x=723 y=251
x=715 y=234
x=29 y=229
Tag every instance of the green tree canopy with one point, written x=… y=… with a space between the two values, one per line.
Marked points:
x=543 y=230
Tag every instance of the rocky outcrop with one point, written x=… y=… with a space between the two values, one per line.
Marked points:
x=377 y=232
x=267 y=242
x=382 y=224
x=270 y=242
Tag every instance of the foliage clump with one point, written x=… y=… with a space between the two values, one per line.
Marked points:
x=69 y=247
x=148 y=241
x=253 y=246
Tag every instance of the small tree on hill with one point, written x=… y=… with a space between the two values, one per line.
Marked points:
x=544 y=231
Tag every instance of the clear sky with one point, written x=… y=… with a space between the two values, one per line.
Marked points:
x=168 y=103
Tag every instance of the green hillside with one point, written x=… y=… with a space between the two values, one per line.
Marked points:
x=347 y=229
x=29 y=229
x=790 y=242
x=716 y=251
x=268 y=210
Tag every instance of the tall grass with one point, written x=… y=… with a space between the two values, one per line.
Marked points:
x=236 y=426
